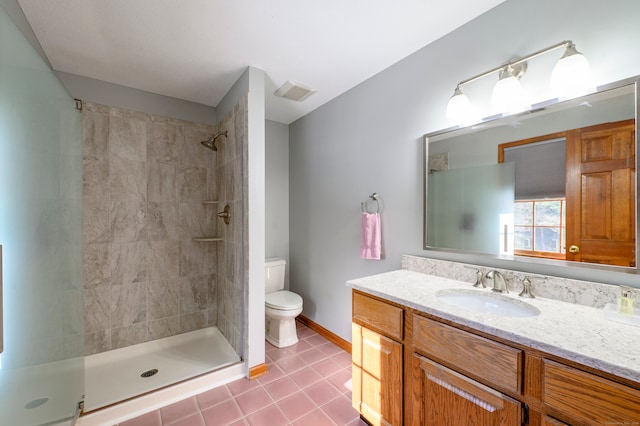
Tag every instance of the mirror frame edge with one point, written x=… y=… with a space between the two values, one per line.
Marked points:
x=522 y=260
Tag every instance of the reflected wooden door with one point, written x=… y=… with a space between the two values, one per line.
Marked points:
x=601 y=194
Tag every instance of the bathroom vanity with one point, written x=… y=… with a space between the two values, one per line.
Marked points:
x=420 y=360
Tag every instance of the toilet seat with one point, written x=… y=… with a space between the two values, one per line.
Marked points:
x=283 y=300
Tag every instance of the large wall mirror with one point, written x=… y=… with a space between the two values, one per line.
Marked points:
x=556 y=184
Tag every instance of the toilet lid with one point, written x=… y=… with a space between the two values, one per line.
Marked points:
x=283 y=300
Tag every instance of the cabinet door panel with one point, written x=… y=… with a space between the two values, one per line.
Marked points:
x=377 y=377
x=549 y=421
x=445 y=397
x=588 y=399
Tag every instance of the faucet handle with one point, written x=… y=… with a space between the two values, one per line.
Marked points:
x=480 y=280
x=526 y=289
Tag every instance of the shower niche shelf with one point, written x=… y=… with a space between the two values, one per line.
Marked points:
x=207 y=239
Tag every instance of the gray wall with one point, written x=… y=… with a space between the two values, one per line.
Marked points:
x=370 y=139
x=277 y=192
x=101 y=92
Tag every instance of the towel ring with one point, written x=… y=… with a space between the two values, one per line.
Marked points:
x=364 y=206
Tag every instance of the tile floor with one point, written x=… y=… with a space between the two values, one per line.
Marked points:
x=308 y=383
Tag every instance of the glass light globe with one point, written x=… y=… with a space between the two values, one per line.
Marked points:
x=507 y=93
x=571 y=76
x=459 y=107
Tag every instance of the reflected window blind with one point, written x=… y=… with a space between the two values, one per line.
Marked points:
x=540 y=169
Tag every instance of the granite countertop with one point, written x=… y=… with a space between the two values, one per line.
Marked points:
x=575 y=332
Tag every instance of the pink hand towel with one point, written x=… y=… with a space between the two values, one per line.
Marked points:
x=370 y=245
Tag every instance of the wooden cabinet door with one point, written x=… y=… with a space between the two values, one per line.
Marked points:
x=550 y=421
x=377 y=377
x=601 y=194
x=444 y=397
x=586 y=399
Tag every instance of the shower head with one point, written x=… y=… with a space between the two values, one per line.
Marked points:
x=211 y=142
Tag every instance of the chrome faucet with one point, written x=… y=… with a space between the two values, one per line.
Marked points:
x=499 y=283
x=479 y=280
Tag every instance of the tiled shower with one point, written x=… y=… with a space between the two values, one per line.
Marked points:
x=145 y=178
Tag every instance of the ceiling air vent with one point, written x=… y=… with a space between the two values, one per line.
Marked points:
x=294 y=91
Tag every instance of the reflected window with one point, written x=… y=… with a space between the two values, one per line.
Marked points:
x=540 y=228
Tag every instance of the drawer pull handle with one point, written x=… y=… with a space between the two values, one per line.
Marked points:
x=466 y=395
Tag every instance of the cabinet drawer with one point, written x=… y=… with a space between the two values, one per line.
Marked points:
x=588 y=399
x=490 y=362
x=382 y=317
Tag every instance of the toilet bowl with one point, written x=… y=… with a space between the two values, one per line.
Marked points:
x=281 y=306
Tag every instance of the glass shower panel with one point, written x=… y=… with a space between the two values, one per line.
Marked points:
x=42 y=364
x=470 y=208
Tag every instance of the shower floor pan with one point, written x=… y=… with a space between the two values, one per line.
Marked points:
x=121 y=374
x=40 y=394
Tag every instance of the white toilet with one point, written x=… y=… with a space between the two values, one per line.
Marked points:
x=281 y=306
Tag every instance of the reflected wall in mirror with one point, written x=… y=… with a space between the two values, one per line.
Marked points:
x=574 y=198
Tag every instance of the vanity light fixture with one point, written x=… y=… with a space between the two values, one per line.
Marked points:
x=570 y=78
x=572 y=74
x=507 y=93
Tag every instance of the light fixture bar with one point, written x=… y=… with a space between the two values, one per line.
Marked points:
x=565 y=43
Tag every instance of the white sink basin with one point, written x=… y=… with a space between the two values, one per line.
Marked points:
x=488 y=303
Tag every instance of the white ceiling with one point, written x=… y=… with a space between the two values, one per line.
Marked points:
x=196 y=49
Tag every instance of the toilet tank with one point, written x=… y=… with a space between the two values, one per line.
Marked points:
x=274 y=274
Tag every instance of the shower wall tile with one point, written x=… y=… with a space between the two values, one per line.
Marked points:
x=128 y=263
x=212 y=294
x=163 y=299
x=97 y=312
x=163 y=260
x=95 y=135
x=95 y=178
x=231 y=178
x=234 y=230
x=162 y=221
x=127 y=138
x=229 y=151
x=144 y=180
x=97 y=342
x=212 y=316
x=163 y=142
x=128 y=220
x=234 y=312
x=191 y=152
x=96 y=264
x=191 y=258
x=161 y=182
x=127 y=336
x=96 y=227
x=193 y=321
x=127 y=178
x=212 y=190
x=221 y=176
x=196 y=219
x=128 y=304
x=193 y=294
x=210 y=259
x=192 y=183
x=164 y=327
